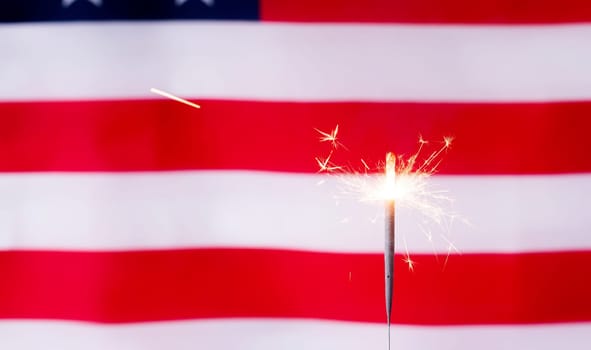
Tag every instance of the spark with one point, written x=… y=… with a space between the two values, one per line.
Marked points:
x=407 y=259
x=173 y=97
x=365 y=165
x=448 y=140
x=403 y=179
x=409 y=262
x=325 y=164
x=330 y=137
x=450 y=247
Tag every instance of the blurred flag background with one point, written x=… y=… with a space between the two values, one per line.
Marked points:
x=129 y=221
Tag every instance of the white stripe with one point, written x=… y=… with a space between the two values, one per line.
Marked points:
x=285 y=335
x=248 y=209
x=295 y=61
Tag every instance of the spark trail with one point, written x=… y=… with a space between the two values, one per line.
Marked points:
x=174 y=97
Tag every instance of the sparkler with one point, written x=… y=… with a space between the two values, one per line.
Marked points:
x=390 y=235
x=404 y=182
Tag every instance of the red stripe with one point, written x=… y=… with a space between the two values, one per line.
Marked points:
x=429 y=11
x=211 y=283
x=541 y=138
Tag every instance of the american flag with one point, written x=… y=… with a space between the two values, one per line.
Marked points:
x=129 y=221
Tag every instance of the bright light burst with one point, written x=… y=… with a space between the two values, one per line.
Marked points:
x=404 y=180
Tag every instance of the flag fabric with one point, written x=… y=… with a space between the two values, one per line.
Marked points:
x=130 y=221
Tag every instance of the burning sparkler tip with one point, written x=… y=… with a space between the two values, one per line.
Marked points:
x=390 y=157
x=390 y=184
x=390 y=163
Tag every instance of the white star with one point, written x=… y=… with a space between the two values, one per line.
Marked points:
x=181 y=2
x=67 y=3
